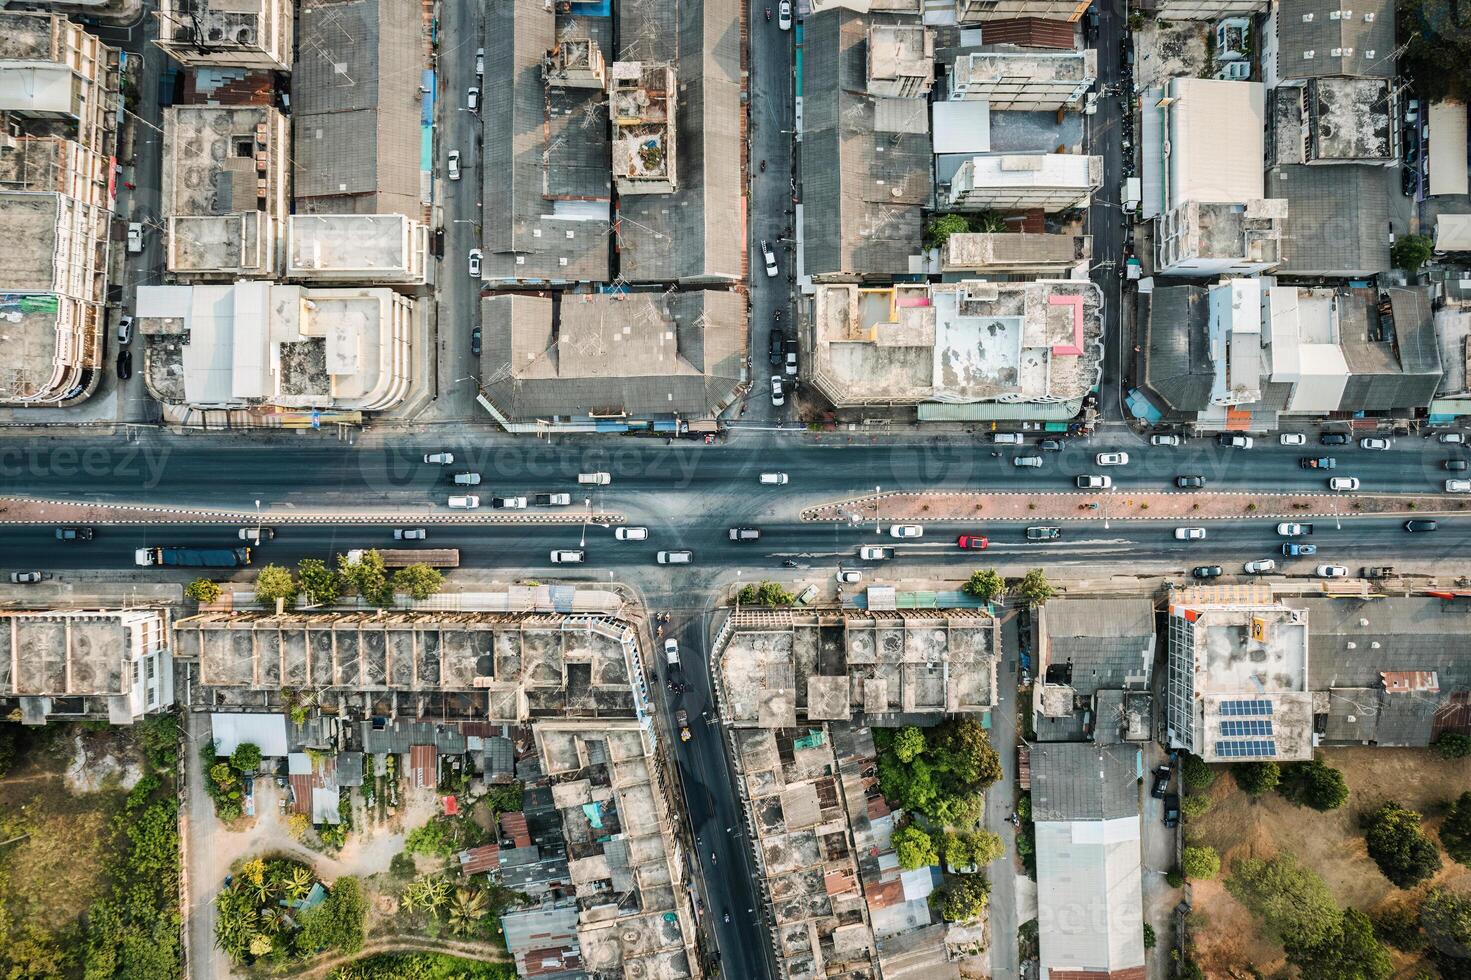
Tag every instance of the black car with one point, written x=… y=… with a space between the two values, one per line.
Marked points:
x=776 y=348
x=1206 y=571
x=1161 y=782
x=1050 y=445
x=475 y=341
x=74 y=534
x=1043 y=533
x=1172 y=810
x=1333 y=439
x=1190 y=482
x=1421 y=525
x=125 y=365
x=1455 y=465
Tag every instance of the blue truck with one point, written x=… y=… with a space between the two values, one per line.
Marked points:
x=175 y=557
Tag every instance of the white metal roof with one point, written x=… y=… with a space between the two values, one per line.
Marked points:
x=1215 y=140
x=1089 y=898
x=1453 y=232
x=230 y=729
x=1446 y=162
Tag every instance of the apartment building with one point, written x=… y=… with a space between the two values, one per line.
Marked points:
x=390 y=249
x=1050 y=182
x=1024 y=79
x=228 y=33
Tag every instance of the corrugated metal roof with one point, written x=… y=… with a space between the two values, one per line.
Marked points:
x=1316 y=40
x=1078 y=781
x=1320 y=235
x=1177 y=366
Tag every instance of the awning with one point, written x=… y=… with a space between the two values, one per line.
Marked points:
x=1446 y=163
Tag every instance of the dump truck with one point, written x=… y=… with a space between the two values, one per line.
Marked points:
x=192 y=557
x=404 y=557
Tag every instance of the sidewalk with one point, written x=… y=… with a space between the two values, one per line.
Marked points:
x=24 y=510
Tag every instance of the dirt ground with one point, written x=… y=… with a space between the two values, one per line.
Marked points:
x=68 y=831
x=1331 y=844
x=1166 y=49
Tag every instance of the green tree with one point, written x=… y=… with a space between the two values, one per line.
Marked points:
x=963 y=897
x=1195 y=774
x=466 y=908
x=367 y=577
x=978 y=848
x=1256 y=778
x=1409 y=252
x=963 y=751
x=908 y=743
x=985 y=584
x=1292 y=902
x=1398 y=846
x=1034 y=588
x=1437 y=55
x=322 y=585
x=1455 y=833
x=274 y=582
x=915 y=848
x=203 y=590
x=1314 y=784
x=1446 y=918
x=1149 y=938
x=1399 y=926
x=1453 y=745
x=246 y=757
x=1201 y=863
x=772 y=594
x=988 y=223
x=336 y=923
x=506 y=798
x=1352 y=952
x=940 y=227
x=418 y=581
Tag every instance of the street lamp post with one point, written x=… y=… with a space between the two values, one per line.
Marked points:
x=876 y=490
x=582 y=542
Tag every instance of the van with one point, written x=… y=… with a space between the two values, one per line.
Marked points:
x=675 y=557
x=807 y=595
x=467 y=479
x=671 y=651
x=774 y=479
x=595 y=479
x=1027 y=461
x=464 y=503
x=1007 y=438
x=744 y=534
x=567 y=557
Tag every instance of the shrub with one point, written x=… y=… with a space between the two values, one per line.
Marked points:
x=203 y=590
x=1193 y=806
x=1397 y=845
x=1149 y=938
x=1453 y=745
x=1256 y=778
x=1399 y=926
x=337 y=923
x=1200 y=862
x=1174 y=878
x=1455 y=833
x=1314 y=784
x=1195 y=774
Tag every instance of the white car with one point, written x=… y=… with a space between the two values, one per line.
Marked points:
x=472 y=98
x=872 y=552
x=475 y=255
x=1094 y=482
x=671 y=650
x=508 y=503
x=623 y=533
x=1452 y=438
x=1293 y=439
x=469 y=502
x=1343 y=483
x=784 y=15
x=479 y=61
x=409 y=534
x=1113 y=459
x=777 y=397
x=1236 y=442
x=1373 y=443
x=135 y=236
x=848 y=577
x=1332 y=571
x=1259 y=567
x=774 y=479
x=1189 y=534
x=454 y=164
x=1291 y=529
x=1166 y=441
x=255 y=535
x=770 y=258
x=124 y=330
x=443 y=459
x=906 y=531
x=1458 y=486
x=567 y=557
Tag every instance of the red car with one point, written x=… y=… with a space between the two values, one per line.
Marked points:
x=972 y=542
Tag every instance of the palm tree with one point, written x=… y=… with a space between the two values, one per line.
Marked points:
x=273 y=919
x=297 y=884
x=467 y=909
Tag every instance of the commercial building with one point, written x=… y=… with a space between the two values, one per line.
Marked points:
x=900 y=60
x=867 y=162
x=1248 y=353
x=785 y=669
x=59 y=94
x=972 y=344
x=258 y=344
x=1334 y=120
x=1045 y=256
x=1090 y=912
x=1323 y=38
x=1445 y=137
x=1093 y=665
x=356 y=248
x=980 y=11
x=228 y=33
x=1237 y=688
x=643 y=97
x=1023 y=79
x=1203 y=9
x=1050 y=182
x=225 y=183
x=112 y=664
x=1323 y=239
x=356 y=109
x=608 y=359
x=1202 y=179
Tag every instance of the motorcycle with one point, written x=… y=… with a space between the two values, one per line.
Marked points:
x=763 y=166
x=768 y=13
x=789 y=564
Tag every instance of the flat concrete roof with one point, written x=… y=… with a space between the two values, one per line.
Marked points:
x=349 y=242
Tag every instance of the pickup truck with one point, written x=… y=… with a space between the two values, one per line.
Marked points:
x=1292 y=529
x=1379 y=571
x=1294 y=550
x=1317 y=462
x=552 y=499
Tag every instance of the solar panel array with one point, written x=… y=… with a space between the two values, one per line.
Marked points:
x=1247 y=748
x=1251 y=726
x=1258 y=706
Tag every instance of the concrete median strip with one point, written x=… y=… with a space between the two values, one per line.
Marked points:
x=956 y=506
x=25 y=510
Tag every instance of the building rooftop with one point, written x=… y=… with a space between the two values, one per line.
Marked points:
x=1074 y=781
x=1214 y=131
x=867 y=163
x=999 y=252
x=73 y=653
x=1178 y=370
x=1319 y=38
x=26 y=36
x=356 y=106
x=637 y=354
x=371 y=247
x=1102 y=643
x=1321 y=236
x=961 y=342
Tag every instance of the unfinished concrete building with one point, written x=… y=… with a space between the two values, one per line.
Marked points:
x=228 y=33
x=626 y=868
x=225 y=183
x=1041 y=256
x=781 y=669
x=968 y=343
x=642 y=98
x=1011 y=78
x=901 y=61
x=1334 y=120
x=357 y=248
x=59 y=92
x=112 y=664
x=805 y=854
